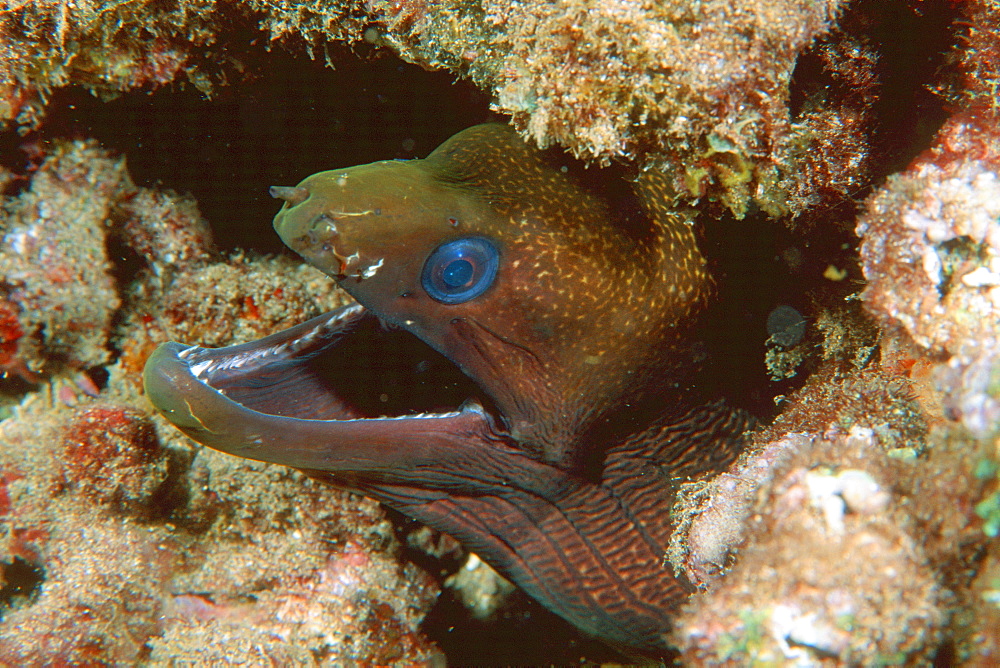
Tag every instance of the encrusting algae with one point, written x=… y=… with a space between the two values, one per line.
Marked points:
x=885 y=443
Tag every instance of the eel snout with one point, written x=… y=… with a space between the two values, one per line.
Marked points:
x=294 y=195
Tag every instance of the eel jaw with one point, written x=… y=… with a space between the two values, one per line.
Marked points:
x=262 y=400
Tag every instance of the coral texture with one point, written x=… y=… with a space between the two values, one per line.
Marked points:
x=701 y=90
x=774 y=540
x=110 y=47
x=62 y=291
x=799 y=592
x=931 y=251
x=895 y=459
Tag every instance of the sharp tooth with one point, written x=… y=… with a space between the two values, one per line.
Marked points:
x=200 y=368
x=343 y=315
x=187 y=352
x=471 y=406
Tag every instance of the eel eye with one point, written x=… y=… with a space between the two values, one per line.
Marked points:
x=460 y=270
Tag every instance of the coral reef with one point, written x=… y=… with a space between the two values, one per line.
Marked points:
x=799 y=593
x=481 y=589
x=931 y=250
x=161 y=549
x=697 y=90
x=848 y=468
x=886 y=441
x=700 y=90
x=893 y=456
x=110 y=47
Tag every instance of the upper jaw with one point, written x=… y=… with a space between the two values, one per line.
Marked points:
x=220 y=367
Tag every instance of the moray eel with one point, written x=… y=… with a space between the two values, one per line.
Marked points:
x=568 y=309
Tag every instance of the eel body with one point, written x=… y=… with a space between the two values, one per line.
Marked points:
x=568 y=308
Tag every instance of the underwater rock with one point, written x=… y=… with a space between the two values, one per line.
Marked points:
x=110 y=454
x=712 y=514
x=480 y=588
x=900 y=464
x=786 y=326
x=59 y=294
x=166 y=230
x=152 y=545
x=698 y=90
x=325 y=579
x=101 y=596
x=854 y=464
x=931 y=251
x=55 y=274
x=800 y=591
x=704 y=92
x=282 y=564
x=113 y=47
x=85 y=579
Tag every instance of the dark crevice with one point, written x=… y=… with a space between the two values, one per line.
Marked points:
x=758 y=266
x=521 y=632
x=22 y=582
x=910 y=46
x=916 y=41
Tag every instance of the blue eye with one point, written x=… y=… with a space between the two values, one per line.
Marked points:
x=460 y=270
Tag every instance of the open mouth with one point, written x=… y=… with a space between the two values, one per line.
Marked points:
x=343 y=370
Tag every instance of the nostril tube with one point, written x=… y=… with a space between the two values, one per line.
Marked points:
x=294 y=195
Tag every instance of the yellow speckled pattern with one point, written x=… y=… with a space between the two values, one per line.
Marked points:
x=583 y=310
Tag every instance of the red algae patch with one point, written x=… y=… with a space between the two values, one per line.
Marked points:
x=111 y=454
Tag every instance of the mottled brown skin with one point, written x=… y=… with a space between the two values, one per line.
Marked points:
x=580 y=343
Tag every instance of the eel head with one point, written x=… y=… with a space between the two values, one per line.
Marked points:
x=512 y=270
